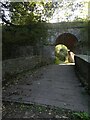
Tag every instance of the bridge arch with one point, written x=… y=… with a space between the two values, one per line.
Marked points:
x=68 y=40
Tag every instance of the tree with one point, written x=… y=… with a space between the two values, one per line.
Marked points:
x=22 y=13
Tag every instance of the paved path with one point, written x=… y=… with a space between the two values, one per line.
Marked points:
x=55 y=85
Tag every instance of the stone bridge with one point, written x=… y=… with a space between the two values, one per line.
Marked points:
x=58 y=31
x=54 y=31
x=55 y=85
x=24 y=54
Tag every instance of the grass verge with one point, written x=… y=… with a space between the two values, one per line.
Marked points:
x=17 y=110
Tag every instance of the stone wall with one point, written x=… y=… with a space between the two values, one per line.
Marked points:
x=28 y=51
x=80 y=31
x=15 y=51
x=82 y=65
x=13 y=67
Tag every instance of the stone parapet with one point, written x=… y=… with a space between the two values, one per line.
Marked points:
x=82 y=64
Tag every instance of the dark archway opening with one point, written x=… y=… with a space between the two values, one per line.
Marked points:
x=68 y=40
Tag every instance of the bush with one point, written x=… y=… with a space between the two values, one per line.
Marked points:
x=61 y=53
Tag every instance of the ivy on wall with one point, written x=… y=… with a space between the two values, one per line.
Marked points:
x=24 y=35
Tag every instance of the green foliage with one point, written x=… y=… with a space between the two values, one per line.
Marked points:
x=22 y=13
x=31 y=12
x=61 y=52
x=40 y=111
x=81 y=115
x=57 y=61
x=32 y=34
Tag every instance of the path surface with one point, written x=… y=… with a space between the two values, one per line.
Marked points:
x=55 y=85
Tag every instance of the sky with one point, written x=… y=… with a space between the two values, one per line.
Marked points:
x=60 y=14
